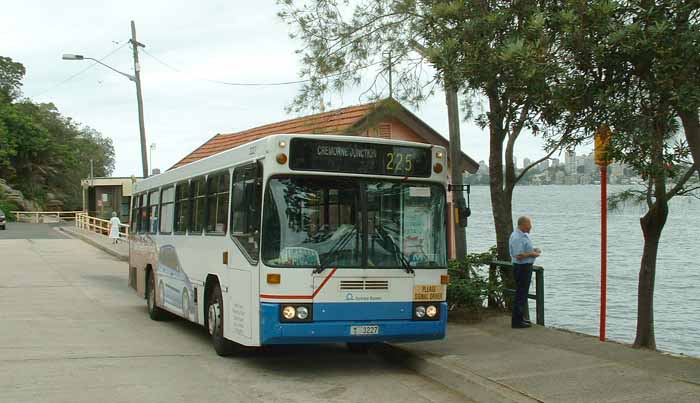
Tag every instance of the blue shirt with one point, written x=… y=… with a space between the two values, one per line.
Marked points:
x=518 y=244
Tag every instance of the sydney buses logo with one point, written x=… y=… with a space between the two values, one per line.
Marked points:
x=351 y=297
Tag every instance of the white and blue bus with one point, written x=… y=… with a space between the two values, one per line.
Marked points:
x=298 y=239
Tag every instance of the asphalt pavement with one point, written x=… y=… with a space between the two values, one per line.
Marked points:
x=73 y=331
x=15 y=230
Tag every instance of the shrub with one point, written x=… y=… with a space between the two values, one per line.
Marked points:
x=470 y=286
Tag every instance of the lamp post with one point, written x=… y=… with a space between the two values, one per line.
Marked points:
x=150 y=157
x=136 y=78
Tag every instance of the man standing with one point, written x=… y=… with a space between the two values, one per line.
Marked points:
x=523 y=255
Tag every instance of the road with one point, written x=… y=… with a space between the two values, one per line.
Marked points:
x=73 y=331
x=15 y=230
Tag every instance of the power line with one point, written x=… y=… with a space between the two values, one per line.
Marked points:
x=248 y=84
x=69 y=78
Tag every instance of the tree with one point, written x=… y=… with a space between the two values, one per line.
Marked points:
x=498 y=51
x=42 y=151
x=11 y=74
x=621 y=61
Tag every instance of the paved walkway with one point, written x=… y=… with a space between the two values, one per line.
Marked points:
x=120 y=250
x=490 y=362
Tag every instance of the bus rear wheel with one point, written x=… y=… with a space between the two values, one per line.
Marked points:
x=154 y=311
x=215 y=323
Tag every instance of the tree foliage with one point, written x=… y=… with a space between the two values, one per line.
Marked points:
x=500 y=54
x=42 y=151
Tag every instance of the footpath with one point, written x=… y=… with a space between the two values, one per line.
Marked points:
x=490 y=362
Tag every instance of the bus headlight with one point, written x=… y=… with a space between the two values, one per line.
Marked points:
x=289 y=312
x=302 y=313
x=431 y=311
x=420 y=311
x=296 y=313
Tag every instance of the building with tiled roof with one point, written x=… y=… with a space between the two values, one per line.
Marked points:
x=384 y=119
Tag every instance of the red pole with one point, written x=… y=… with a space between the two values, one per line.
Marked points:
x=603 y=246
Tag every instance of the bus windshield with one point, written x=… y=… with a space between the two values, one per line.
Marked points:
x=312 y=221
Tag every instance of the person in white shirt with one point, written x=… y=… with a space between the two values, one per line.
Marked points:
x=114 y=225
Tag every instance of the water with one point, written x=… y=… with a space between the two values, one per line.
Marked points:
x=567 y=228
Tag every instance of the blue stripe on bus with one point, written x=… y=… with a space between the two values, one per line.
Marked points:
x=338 y=331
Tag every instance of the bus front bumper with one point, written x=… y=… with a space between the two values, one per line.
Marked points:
x=272 y=331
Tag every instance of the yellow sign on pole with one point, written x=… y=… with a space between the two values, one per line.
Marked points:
x=602 y=140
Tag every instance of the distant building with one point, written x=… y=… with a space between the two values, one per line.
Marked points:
x=555 y=162
x=570 y=162
x=102 y=196
x=526 y=163
x=544 y=165
x=589 y=164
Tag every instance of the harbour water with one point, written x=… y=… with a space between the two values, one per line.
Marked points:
x=567 y=228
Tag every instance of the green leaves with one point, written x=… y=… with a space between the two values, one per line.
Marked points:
x=42 y=151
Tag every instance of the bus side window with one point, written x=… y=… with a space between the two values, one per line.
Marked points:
x=198 y=194
x=134 y=213
x=143 y=216
x=245 y=208
x=182 y=207
x=167 y=198
x=153 y=201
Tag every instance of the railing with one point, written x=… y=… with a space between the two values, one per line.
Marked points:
x=538 y=296
x=45 y=216
x=98 y=225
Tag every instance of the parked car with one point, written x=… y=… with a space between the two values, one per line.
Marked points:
x=2 y=220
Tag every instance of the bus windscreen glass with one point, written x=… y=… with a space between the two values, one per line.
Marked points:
x=359 y=158
x=353 y=223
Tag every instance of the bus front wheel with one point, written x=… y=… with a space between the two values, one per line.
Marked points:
x=154 y=311
x=215 y=323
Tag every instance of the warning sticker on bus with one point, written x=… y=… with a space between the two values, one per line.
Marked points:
x=428 y=292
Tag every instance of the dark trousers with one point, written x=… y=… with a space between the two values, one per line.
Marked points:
x=523 y=277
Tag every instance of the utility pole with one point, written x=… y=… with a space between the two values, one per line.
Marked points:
x=456 y=171
x=137 y=74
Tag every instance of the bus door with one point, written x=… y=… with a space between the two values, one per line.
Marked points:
x=244 y=251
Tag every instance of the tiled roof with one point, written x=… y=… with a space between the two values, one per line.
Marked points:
x=340 y=121
x=336 y=121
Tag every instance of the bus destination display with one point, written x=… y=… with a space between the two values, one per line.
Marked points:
x=359 y=158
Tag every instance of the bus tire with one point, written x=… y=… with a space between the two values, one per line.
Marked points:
x=215 y=323
x=154 y=311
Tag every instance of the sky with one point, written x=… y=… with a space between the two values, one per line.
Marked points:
x=187 y=43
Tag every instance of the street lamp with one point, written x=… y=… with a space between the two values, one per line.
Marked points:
x=68 y=56
x=136 y=79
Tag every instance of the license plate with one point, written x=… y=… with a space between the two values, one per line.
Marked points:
x=364 y=330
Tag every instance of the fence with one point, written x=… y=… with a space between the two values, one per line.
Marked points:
x=45 y=216
x=538 y=296
x=98 y=225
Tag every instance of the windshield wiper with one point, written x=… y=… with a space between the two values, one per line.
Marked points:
x=395 y=248
x=338 y=246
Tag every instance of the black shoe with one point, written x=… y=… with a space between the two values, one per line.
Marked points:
x=527 y=322
x=521 y=325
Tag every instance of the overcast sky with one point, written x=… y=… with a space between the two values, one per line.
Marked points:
x=233 y=41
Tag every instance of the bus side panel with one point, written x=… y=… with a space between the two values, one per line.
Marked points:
x=142 y=252
x=240 y=311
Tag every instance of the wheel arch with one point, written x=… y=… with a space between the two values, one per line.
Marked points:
x=209 y=283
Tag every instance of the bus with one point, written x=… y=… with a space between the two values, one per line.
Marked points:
x=297 y=239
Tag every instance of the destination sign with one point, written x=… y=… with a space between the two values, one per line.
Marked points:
x=359 y=158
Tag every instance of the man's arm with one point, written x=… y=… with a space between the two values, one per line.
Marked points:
x=535 y=252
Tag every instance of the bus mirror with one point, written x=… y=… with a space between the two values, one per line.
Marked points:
x=463 y=211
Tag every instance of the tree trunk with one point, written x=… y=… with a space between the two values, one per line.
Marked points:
x=501 y=196
x=652 y=224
